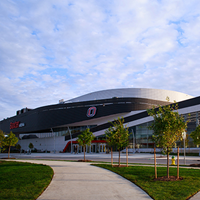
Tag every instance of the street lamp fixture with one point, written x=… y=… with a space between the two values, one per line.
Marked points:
x=184 y=137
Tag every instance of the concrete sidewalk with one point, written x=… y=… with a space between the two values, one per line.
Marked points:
x=81 y=181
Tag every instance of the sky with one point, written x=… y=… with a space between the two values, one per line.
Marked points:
x=61 y=49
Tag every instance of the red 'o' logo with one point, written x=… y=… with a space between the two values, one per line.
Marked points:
x=91 y=112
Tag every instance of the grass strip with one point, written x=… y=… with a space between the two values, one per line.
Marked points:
x=143 y=176
x=19 y=180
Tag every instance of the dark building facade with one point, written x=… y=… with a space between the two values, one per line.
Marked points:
x=55 y=127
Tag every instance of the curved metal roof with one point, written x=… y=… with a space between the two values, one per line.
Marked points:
x=155 y=94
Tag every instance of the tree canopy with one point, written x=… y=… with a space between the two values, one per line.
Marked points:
x=168 y=127
x=195 y=135
x=10 y=140
x=85 y=139
x=117 y=135
x=2 y=137
x=30 y=146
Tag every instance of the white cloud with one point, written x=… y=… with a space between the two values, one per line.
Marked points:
x=62 y=49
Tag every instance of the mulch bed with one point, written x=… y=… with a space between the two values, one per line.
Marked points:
x=195 y=165
x=84 y=160
x=8 y=158
x=171 y=178
x=119 y=166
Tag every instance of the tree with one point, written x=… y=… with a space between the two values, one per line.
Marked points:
x=85 y=139
x=31 y=146
x=10 y=140
x=18 y=146
x=195 y=135
x=118 y=135
x=110 y=133
x=2 y=137
x=168 y=126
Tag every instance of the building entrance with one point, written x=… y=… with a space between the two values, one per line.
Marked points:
x=93 y=148
x=75 y=148
x=102 y=148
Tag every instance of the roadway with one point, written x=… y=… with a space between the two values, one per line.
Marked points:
x=144 y=158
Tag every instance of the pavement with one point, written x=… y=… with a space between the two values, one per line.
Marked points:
x=76 y=180
x=145 y=158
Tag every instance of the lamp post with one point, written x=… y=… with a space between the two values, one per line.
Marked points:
x=54 y=141
x=184 y=137
x=71 y=138
x=197 y=124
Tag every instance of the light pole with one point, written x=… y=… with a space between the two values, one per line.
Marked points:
x=71 y=138
x=197 y=124
x=184 y=137
x=54 y=141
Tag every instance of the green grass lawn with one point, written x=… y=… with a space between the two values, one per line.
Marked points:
x=19 y=180
x=160 y=190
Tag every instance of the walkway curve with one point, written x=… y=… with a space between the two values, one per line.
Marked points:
x=82 y=181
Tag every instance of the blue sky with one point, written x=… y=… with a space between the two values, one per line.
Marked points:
x=55 y=49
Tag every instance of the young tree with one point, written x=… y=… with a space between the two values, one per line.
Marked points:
x=18 y=146
x=85 y=139
x=110 y=133
x=10 y=140
x=168 y=126
x=31 y=146
x=2 y=136
x=118 y=134
x=195 y=135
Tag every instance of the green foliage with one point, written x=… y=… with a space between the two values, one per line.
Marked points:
x=30 y=146
x=18 y=146
x=168 y=126
x=85 y=138
x=195 y=135
x=10 y=140
x=110 y=136
x=2 y=137
x=117 y=135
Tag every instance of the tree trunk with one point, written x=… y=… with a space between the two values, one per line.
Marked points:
x=178 y=163
x=155 y=163
x=119 y=158
x=9 y=152
x=84 y=152
x=167 y=163
x=127 y=156
x=111 y=157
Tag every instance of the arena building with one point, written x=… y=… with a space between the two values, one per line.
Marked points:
x=55 y=127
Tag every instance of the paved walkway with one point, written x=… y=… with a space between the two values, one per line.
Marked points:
x=196 y=196
x=75 y=181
